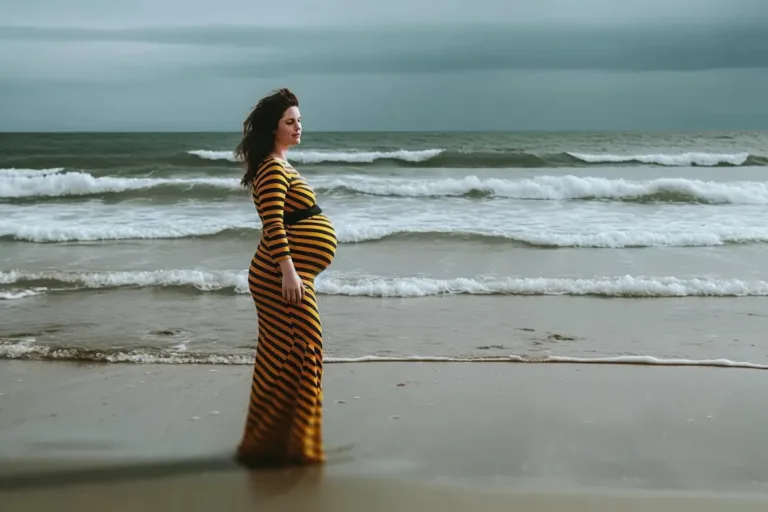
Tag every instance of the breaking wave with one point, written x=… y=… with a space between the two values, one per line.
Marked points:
x=55 y=185
x=236 y=282
x=366 y=233
x=437 y=157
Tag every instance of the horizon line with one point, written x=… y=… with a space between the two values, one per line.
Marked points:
x=238 y=132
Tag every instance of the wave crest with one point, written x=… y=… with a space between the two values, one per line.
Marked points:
x=612 y=239
x=688 y=159
x=84 y=184
x=555 y=188
x=439 y=157
x=551 y=188
x=397 y=287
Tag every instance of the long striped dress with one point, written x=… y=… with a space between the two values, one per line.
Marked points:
x=284 y=422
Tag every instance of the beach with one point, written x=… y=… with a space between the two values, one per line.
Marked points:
x=550 y=321
x=455 y=435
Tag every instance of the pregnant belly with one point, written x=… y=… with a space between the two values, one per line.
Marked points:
x=313 y=244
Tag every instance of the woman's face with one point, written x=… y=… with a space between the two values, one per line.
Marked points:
x=289 y=128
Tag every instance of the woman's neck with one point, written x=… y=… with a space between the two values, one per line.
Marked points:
x=280 y=153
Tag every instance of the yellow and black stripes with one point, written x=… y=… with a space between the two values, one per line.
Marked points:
x=269 y=194
x=284 y=422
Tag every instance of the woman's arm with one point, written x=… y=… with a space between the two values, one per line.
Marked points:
x=269 y=191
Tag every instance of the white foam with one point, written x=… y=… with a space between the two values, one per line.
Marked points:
x=28 y=349
x=623 y=286
x=545 y=228
x=557 y=188
x=318 y=156
x=82 y=183
x=206 y=154
x=677 y=159
x=551 y=188
x=367 y=156
x=20 y=294
x=544 y=223
x=70 y=233
x=202 y=280
x=610 y=238
x=408 y=287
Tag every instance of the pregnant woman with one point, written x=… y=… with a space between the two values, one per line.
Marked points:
x=284 y=422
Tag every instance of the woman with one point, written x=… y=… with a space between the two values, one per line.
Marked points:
x=298 y=242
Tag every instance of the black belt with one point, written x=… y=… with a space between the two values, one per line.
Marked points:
x=295 y=216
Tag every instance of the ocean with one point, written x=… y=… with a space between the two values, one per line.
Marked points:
x=624 y=247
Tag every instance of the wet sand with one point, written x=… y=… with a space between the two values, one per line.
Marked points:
x=399 y=435
x=153 y=324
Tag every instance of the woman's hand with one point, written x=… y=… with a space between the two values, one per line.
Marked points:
x=293 y=287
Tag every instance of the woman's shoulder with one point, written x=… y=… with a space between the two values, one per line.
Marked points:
x=276 y=165
x=274 y=168
x=271 y=163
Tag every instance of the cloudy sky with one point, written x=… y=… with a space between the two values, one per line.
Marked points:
x=404 y=65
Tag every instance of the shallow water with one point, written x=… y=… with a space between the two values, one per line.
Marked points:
x=454 y=245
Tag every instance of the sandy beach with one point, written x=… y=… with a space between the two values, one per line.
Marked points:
x=399 y=435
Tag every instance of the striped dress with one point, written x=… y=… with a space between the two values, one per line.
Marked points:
x=284 y=421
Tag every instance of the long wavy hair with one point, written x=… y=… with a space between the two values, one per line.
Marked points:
x=259 y=131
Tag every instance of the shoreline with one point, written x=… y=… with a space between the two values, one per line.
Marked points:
x=180 y=328
x=44 y=354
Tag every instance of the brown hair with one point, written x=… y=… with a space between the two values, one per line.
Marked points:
x=259 y=131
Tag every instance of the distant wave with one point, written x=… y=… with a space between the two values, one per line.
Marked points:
x=674 y=160
x=437 y=157
x=28 y=349
x=361 y=233
x=320 y=157
x=56 y=185
x=555 y=188
x=235 y=282
x=211 y=161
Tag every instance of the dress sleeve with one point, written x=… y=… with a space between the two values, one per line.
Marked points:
x=269 y=190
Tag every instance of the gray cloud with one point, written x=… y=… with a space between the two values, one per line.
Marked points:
x=243 y=52
x=486 y=100
x=127 y=13
x=493 y=48
x=408 y=64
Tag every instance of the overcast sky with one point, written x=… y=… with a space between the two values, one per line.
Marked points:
x=403 y=65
